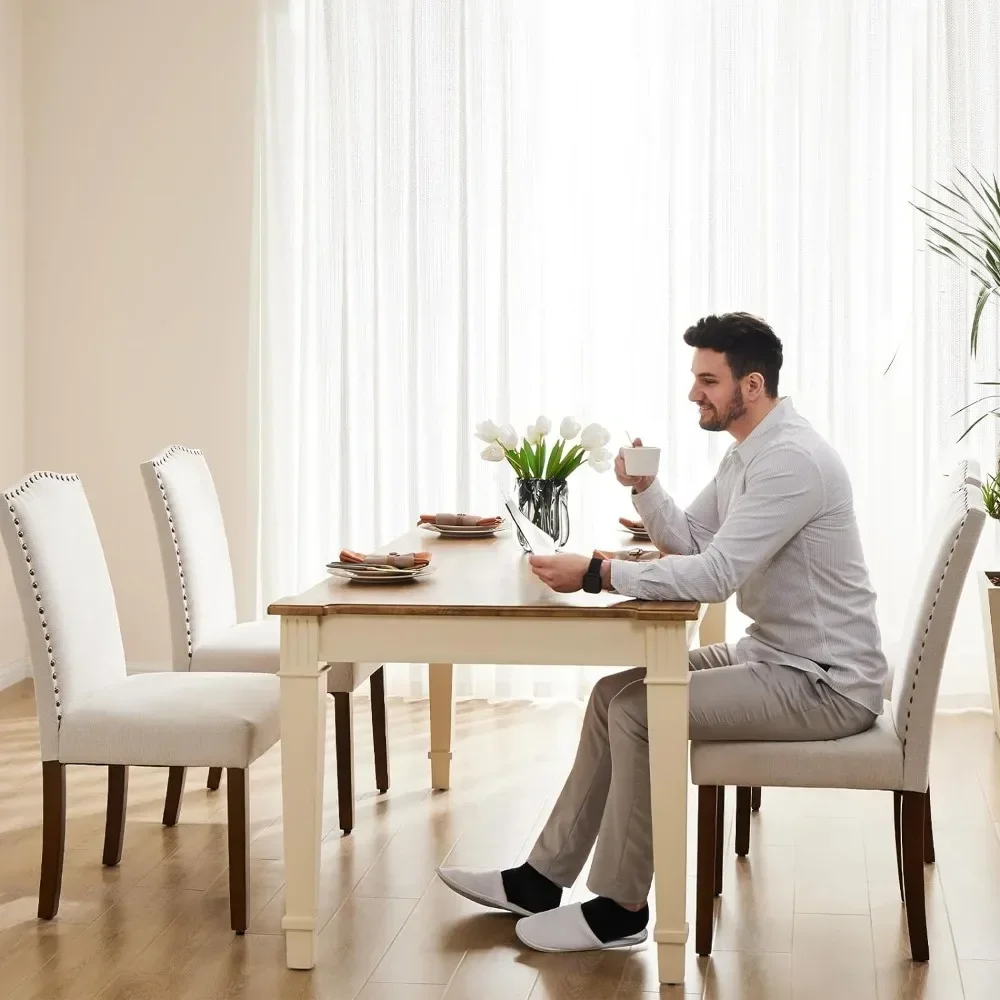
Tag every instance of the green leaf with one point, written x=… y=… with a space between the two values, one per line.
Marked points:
x=994 y=413
x=542 y=448
x=981 y=300
x=514 y=459
x=555 y=457
x=975 y=402
x=572 y=465
x=526 y=460
x=563 y=469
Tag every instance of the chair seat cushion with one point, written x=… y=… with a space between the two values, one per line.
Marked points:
x=872 y=759
x=253 y=647
x=173 y=719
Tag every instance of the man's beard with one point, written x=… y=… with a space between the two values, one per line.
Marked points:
x=715 y=421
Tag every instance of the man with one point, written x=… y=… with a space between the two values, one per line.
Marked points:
x=776 y=527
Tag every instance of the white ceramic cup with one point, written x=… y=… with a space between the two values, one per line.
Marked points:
x=644 y=461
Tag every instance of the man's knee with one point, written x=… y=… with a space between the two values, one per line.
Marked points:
x=606 y=689
x=627 y=712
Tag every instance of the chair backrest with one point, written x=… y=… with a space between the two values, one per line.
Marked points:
x=193 y=546
x=965 y=473
x=950 y=548
x=66 y=597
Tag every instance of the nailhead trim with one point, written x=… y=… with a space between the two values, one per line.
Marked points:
x=8 y=496
x=157 y=463
x=930 y=617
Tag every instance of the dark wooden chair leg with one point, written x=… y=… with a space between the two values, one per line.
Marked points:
x=708 y=813
x=344 y=733
x=742 y=821
x=114 y=822
x=53 y=837
x=897 y=818
x=175 y=788
x=214 y=778
x=237 y=802
x=913 y=819
x=720 y=833
x=928 y=830
x=755 y=798
x=380 y=736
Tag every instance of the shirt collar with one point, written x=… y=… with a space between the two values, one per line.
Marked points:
x=752 y=445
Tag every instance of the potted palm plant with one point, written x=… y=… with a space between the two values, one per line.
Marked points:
x=964 y=228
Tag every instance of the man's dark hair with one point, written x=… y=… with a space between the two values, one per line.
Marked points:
x=748 y=343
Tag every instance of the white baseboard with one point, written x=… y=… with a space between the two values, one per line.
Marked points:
x=974 y=701
x=15 y=672
x=148 y=666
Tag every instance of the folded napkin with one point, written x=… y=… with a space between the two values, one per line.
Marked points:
x=631 y=525
x=405 y=560
x=461 y=520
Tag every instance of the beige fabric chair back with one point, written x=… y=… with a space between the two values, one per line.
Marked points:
x=66 y=597
x=950 y=548
x=194 y=549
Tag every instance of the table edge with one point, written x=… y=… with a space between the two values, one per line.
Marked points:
x=647 y=611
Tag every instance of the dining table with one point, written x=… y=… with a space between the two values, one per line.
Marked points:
x=481 y=603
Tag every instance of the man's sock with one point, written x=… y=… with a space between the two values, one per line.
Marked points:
x=530 y=889
x=611 y=922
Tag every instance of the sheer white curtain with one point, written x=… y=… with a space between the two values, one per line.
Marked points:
x=505 y=208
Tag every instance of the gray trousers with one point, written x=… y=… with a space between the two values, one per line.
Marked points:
x=606 y=797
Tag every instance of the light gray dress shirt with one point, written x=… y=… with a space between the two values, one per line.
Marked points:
x=776 y=526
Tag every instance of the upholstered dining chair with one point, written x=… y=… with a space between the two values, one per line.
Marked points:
x=894 y=755
x=90 y=711
x=204 y=628
x=965 y=473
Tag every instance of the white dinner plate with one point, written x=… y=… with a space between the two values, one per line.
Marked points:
x=463 y=530
x=380 y=574
x=635 y=532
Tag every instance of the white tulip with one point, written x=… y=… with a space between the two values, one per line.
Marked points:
x=534 y=435
x=594 y=436
x=507 y=436
x=543 y=425
x=597 y=462
x=569 y=428
x=493 y=453
x=487 y=431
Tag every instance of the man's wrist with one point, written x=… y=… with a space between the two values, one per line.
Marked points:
x=606 y=574
x=643 y=485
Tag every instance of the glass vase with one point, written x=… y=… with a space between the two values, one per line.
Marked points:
x=545 y=503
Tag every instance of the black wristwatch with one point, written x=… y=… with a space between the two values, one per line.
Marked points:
x=592 y=578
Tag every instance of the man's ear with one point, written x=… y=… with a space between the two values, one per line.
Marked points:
x=755 y=383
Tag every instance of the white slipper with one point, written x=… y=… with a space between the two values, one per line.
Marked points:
x=485 y=887
x=566 y=929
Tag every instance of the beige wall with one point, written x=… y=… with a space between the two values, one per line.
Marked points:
x=12 y=646
x=139 y=138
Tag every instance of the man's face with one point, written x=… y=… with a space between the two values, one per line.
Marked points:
x=719 y=396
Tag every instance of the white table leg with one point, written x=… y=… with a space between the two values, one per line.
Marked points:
x=713 y=625
x=442 y=709
x=303 y=745
x=667 y=704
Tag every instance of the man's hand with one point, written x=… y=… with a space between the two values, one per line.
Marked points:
x=638 y=483
x=563 y=573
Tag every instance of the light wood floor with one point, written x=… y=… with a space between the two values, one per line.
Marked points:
x=813 y=914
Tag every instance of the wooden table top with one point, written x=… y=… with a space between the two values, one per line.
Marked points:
x=472 y=577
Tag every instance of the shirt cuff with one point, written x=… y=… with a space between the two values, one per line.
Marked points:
x=625 y=577
x=650 y=500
